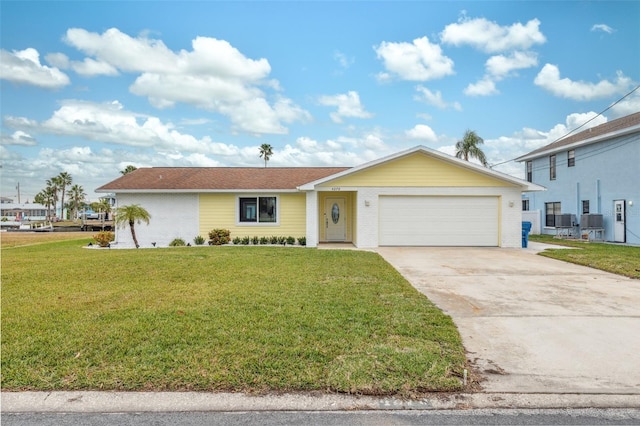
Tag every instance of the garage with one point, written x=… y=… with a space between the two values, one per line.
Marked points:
x=439 y=221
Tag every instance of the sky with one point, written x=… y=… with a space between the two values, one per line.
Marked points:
x=90 y=87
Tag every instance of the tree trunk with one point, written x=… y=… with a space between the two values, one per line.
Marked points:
x=133 y=234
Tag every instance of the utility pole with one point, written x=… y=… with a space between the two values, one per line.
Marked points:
x=18 y=188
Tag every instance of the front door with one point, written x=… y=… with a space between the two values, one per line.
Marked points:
x=335 y=219
x=619 y=234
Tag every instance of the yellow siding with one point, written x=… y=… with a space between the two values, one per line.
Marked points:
x=219 y=211
x=416 y=170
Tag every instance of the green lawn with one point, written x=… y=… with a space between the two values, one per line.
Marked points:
x=616 y=258
x=250 y=319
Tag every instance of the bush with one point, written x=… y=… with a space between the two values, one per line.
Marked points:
x=199 y=240
x=218 y=237
x=302 y=241
x=237 y=240
x=291 y=241
x=177 y=242
x=264 y=240
x=273 y=240
x=255 y=240
x=282 y=240
x=104 y=238
x=245 y=241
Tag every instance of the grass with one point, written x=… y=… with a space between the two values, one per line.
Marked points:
x=618 y=259
x=249 y=319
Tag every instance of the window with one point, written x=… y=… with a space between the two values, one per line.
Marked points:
x=257 y=210
x=529 y=171
x=551 y=210
x=585 y=206
x=552 y=167
x=525 y=205
x=571 y=158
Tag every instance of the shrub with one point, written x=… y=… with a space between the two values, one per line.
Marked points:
x=245 y=241
x=282 y=240
x=264 y=240
x=177 y=242
x=273 y=239
x=291 y=241
x=255 y=240
x=218 y=237
x=302 y=241
x=237 y=240
x=104 y=238
x=199 y=240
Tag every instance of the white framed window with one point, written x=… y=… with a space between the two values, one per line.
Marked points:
x=257 y=210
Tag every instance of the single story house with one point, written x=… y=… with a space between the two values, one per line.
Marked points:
x=417 y=197
x=592 y=180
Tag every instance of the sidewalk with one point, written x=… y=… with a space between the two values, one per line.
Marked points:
x=118 y=402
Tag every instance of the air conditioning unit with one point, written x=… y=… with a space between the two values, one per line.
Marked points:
x=591 y=221
x=565 y=220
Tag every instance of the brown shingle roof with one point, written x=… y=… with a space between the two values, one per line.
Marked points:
x=218 y=178
x=603 y=129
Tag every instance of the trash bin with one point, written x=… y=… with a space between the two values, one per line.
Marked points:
x=526 y=228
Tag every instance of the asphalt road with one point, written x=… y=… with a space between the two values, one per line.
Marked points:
x=334 y=418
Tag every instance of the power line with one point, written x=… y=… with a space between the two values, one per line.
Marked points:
x=580 y=126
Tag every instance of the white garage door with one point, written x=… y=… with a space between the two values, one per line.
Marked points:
x=438 y=221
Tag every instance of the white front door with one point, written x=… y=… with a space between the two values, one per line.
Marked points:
x=619 y=233
x=335 y=219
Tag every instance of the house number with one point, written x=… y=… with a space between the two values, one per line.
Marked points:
x=335 y=188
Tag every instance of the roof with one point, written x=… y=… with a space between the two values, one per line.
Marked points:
x=619 y=127
x=213 y=179
x=526 y=186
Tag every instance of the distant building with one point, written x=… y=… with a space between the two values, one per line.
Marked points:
x=595 y=173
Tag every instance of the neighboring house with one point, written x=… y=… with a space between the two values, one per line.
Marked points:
x=16 y=214
x=418 y=197
x=595 y=172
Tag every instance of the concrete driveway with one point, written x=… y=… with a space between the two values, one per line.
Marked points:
x=532 y=324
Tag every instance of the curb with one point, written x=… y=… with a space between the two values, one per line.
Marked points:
x=118 y=402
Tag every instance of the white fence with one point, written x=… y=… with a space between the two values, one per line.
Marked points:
x=532 y=216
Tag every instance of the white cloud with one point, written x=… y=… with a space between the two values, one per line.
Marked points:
x=628 y=105
x=90 y=67
x=602 y=27
x=501 y=66
x=214 y=76
x=18 y=138
x=111 y=123
x=549 y=79
x=343 y=60
x=490 y=37
x=348 y=104
x=484 y=87
x=435 y=99
x=420 y=60
x=24 y=67
x=422 y=132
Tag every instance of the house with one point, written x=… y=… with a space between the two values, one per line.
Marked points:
x=595 y=173
x=418 y=197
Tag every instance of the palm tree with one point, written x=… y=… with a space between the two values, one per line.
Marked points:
x=64 y=180
x=128 y=169
x=76 y=196
x=53 y=186
x=105 y=207
x=266 y=151
x=468 y=147
x=46 y=197
x=130 y=215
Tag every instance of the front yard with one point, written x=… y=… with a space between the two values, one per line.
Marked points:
x=615 y=258
x=250 y=319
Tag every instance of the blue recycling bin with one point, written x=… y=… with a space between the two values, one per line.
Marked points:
x=526 y=228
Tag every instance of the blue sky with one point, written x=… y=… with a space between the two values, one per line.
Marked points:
x=90 y=87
